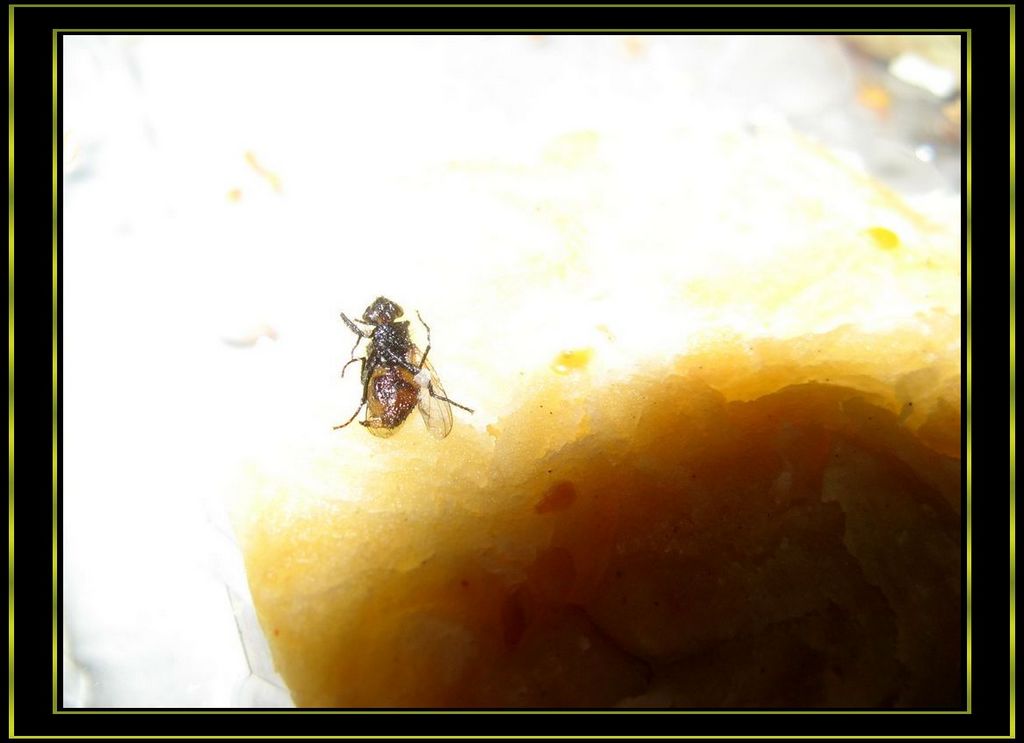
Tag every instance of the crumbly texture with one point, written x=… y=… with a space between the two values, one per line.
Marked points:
x=652 y=542
x=698 y=477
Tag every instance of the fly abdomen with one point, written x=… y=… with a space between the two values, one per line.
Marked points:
x=393 y=396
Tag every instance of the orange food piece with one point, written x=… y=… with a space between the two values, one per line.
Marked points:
x=570 y=361
x=798 y=547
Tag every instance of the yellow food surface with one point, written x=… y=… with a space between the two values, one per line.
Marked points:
x=698 y=474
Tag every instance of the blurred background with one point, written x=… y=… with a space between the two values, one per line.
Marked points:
x=223 y=196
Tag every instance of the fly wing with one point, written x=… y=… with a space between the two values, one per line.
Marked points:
x=437 y=413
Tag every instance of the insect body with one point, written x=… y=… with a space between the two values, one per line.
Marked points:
x=396 y=375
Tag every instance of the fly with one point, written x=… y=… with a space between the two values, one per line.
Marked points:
x=396 y=375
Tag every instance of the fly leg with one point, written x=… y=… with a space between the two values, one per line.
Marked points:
x=429 y=384
x=430 y=388
x=361 y=404
x=363 y=401
x=352 y=418
x=351 y=361
x=359 y=337
x=355 y=328
x=424 y=359
x=352 y=354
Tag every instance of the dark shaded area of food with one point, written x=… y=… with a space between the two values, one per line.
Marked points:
x=661 y=542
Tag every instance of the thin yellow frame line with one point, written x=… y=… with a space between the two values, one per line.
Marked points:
x=1013 y=377
x=289 y=711
x=519 y=737
x=53 y=357
x=10 y=371
x=55 y=32
x=970 y=319
x=506 y=31
x=510 y=5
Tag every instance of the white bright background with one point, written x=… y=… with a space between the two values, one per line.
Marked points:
x=182 y=256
